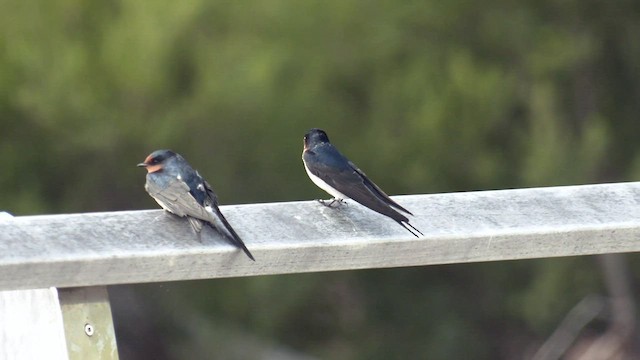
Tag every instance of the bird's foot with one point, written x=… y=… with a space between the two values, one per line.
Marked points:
x=332 y=202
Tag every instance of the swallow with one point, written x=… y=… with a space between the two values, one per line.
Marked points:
x=180 y=190
x=334 y=173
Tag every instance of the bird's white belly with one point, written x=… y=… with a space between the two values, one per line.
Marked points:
x=324 y=186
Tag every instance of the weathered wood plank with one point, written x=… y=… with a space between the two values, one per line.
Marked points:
x=88 y=324
x=149 y=246
x=25 y=315
x=31 y=325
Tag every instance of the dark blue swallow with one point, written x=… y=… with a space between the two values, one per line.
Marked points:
x=338 y=176
x=180 y=190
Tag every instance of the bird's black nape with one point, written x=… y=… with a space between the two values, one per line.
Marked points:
x=158 y=157
x=315 y=136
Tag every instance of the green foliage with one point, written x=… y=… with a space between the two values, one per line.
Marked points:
x=425 y=96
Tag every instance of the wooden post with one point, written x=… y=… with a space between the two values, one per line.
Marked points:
x=31 y=323
x=53 y=324
x=88 y=324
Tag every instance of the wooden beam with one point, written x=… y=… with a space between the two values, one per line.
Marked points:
x=151 y=246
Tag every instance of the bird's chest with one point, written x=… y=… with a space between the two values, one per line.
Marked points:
x=324 y=186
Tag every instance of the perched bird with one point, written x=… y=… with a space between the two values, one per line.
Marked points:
x=334 y=173
x=180 y=190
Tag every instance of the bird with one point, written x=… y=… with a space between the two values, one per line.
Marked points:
x=334 y=173
x=180 y=190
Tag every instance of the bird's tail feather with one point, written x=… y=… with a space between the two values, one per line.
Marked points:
x=231 y=234
x=412 y=229
x=196 y=224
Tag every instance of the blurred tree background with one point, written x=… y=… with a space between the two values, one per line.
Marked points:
x=425 y=96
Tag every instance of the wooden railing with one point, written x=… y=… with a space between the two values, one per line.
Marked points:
x=57 y=260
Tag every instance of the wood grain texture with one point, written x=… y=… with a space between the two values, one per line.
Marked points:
x=88 y=307
x=151 y=246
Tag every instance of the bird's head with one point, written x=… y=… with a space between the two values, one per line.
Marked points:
x=315 y=137
x=157 y=160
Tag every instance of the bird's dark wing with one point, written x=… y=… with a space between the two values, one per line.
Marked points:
x=351 y=182
x=176 y=198
x=328 y=164
x=220 y=223
x=376 y=189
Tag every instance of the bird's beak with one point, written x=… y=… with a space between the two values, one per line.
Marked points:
x=142 y=165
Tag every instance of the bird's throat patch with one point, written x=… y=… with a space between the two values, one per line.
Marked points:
x=153 y=168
